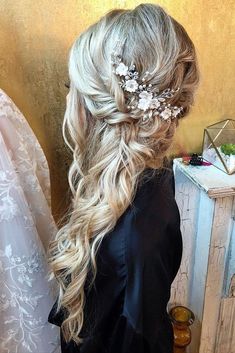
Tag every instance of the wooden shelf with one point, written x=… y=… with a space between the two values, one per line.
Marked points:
x=212 y=180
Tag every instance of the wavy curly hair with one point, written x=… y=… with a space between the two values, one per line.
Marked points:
x=110 y=148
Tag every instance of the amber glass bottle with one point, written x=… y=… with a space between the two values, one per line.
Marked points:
x=181 y=318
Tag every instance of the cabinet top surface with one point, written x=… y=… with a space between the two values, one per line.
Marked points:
x=214 y=181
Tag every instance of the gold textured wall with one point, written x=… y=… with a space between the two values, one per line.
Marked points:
x=34 y=40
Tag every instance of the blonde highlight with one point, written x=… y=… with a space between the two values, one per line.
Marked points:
x=110 y=149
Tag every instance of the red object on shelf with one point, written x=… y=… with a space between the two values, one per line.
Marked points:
x=206 y=163
x=186 y=160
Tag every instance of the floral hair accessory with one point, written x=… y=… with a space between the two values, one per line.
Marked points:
x=144 y=97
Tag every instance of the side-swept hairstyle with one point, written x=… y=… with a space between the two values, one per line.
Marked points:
x=110 y=148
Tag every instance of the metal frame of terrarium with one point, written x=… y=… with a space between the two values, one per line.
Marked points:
x=212 y=143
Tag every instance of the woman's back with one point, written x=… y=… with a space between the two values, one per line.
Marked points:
x=126 y=309
x=132 y=76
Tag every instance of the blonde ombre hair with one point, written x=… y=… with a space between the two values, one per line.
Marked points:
x=110 y=149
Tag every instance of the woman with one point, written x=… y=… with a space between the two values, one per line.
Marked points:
x=133 y=74
x=26 y=225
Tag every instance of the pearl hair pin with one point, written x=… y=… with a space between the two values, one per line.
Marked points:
x=145 y=98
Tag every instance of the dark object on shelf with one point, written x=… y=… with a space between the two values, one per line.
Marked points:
x=186 y=160
x=196 y=160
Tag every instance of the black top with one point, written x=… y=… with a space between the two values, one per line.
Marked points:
x=126 y=310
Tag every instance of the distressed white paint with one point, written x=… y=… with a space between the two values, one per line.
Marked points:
x=187 y=195
x=215 y=273
x=230 y=270
x=206 y=203
x=202 y=247
x=215 y=182
x=226 y=327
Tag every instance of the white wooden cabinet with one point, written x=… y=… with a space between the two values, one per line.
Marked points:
x=206 y=279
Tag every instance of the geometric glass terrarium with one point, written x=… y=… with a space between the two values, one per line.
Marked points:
x=219 y=145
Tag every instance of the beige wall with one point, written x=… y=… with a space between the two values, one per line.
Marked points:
x=34 y=40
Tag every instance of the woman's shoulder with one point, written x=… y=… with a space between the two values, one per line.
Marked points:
x=153 y=220
x=154 y=228
x=155 y=192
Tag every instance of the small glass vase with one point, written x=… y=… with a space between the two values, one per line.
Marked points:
x=181 y=317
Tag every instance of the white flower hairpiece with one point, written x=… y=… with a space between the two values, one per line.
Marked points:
x=145 y=99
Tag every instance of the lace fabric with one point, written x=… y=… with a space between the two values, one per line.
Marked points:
x=26 y=226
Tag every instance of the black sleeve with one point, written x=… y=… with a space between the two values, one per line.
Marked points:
x=153 y=256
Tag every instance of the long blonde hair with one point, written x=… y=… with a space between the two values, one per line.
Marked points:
x=110 y=149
